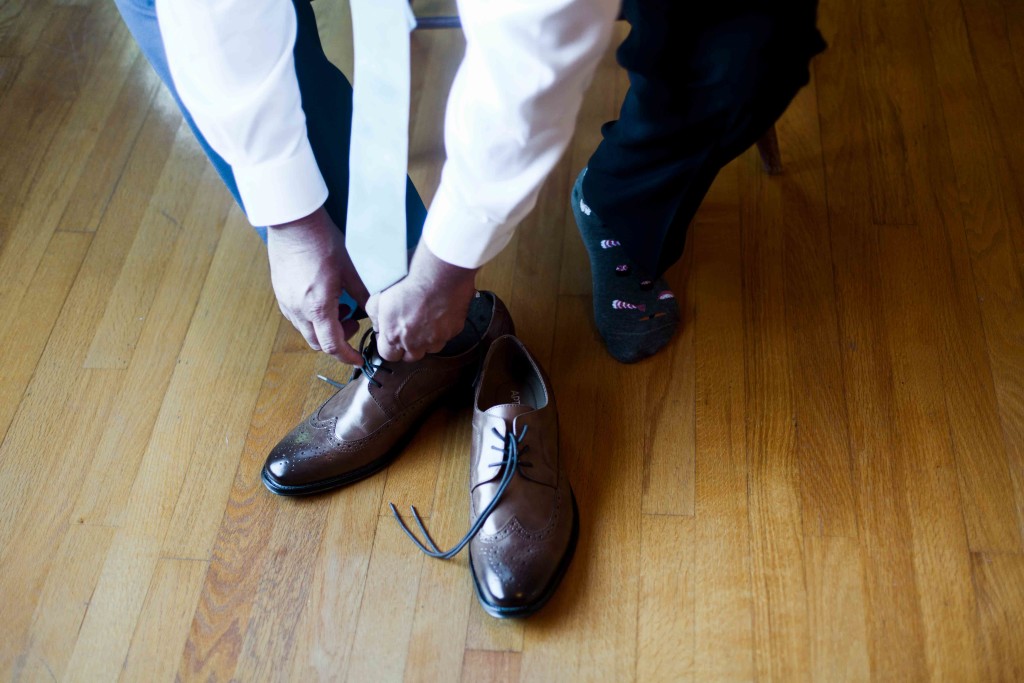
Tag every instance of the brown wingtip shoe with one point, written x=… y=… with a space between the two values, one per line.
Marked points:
x=365 y=425
x=523 y=518
x=525 y=545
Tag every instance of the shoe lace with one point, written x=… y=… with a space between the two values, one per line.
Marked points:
x=367 y=346
x=511 y=450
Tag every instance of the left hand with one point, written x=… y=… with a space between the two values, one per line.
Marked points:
x=420 y=313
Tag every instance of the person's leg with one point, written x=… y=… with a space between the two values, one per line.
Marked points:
x=326 y=102
x=706 y=81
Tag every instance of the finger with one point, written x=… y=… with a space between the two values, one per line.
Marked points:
x=331 y=336
x=413 y=356
x=389 y=349
x=436 y=348
x=350 y=327
x=372 y=309
x=306 y=330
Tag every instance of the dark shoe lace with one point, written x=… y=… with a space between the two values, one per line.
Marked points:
x=367 y=347
x=511 y=451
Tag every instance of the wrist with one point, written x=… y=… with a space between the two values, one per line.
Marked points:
x=302 y=230
x=439 y=274
x=315 y=218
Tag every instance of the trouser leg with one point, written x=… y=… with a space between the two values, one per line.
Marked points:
x=706 y=81
x=326 y=101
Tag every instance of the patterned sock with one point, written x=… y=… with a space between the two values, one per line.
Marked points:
x=635 y=314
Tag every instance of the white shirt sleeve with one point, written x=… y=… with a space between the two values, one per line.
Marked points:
x=510 y=116
x=232 y=65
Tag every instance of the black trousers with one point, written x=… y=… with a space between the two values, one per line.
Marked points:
x=707 y=79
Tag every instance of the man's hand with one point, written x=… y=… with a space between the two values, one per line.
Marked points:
x=308 y=268
x=420 y=313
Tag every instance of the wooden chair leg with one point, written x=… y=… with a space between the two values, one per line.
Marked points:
x=768 y=147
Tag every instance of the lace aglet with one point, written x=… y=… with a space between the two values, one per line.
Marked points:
x=336 y=385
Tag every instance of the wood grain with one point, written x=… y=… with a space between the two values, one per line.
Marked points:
x=821 y=478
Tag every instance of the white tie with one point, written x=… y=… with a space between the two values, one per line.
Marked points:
x=375 y=230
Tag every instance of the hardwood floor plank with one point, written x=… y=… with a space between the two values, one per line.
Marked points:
x=166 y=614
x=534 y=294
x=484 y=632
x=9 y=67
x=552 y=639
x=187 y=427
x=822 y=477
x=413 y=478
x=183 y=267
x=781 y=634
x=15 y=22
x=838 y=619
x=84 y=59
x=481 y=666
x=601 y=444
x=669 y=414
x=724 y=609
x=222 y=616
x=63 y=601
x=665 y=634
x=950 y=293
x=436 y=645
x=822 y=428
x=384 y=627
x=999 y=582
x=38 y=496
x=995 y=29
x=327 y=629
x=268 y=645
x=152 y=250
x=45 y=88
x=888 y=183
x=940 y=548
x=82 y=311
x=22 y=344
x=991 y=209
x=896 y=631
x=105 y=164
x=246 y=308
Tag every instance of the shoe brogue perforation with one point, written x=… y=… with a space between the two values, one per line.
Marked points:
x=317 y=456
x=517 y=566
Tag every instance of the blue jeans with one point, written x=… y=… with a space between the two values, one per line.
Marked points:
x=326 y=101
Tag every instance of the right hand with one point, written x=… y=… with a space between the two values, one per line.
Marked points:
x=309 y=267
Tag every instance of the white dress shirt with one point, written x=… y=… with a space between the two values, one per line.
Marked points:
x=510 y=114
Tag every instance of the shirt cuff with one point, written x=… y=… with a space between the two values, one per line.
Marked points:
x=281 y=190
x=462 y=236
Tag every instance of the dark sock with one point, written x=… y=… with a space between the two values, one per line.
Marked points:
x=635 y=314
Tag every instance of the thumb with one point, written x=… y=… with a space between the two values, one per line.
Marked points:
x=372 y=310
x=331 y=336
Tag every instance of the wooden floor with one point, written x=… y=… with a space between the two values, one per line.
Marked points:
x=822 y=478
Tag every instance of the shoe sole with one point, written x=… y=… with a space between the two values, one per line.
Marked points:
x=360 y=473
x=520 y=611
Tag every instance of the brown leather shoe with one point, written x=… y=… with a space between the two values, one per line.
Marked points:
x=364 y=426
x=524 y=521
